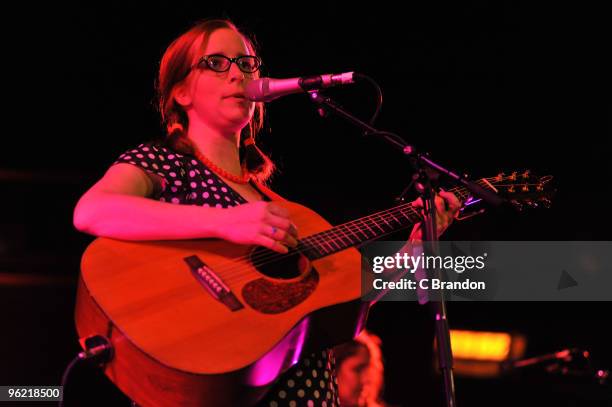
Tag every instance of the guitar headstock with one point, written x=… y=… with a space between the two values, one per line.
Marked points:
x=523 y=189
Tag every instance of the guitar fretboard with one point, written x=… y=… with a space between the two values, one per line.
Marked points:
x=368 y=228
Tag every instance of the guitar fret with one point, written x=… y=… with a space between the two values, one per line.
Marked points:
x=367 y=226
x=333 y=240
x=362 y=230
x=328 y=245
x=394 y=218
x=415 y=216
x=354 y=228
x=318 y=245
x=382 y=225
x=321 y=246
x=312 y=247
x=383 y=230
x=404 y=215
x=358 y=231
x=370 y=227
x=354 y=234
x=345 y=236
x=321 y=251
x=385 y=219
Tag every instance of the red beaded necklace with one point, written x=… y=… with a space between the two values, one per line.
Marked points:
x=220 y=171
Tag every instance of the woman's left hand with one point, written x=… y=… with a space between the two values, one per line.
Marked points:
x=447 y=209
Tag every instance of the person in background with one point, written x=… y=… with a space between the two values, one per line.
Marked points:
x=360 y=371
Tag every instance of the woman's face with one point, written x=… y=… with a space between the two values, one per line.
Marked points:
x=217 y=98
x=353 y=377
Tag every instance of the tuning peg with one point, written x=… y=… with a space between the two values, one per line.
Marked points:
x=500 y=176
x=540 y=187
x=512 y=176
x=525 y=188
x=511 y=189
x=525 y=175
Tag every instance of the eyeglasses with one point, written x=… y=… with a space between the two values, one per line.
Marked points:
x=221 y=63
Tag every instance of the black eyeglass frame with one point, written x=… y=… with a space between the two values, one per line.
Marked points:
x=207 y=58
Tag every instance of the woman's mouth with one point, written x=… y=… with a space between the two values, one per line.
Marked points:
x=237 y=96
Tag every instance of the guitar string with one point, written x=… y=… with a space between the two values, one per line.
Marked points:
x=337 y=234
x=324 y=237
x=238 y=276
x=309 y=243
x=333 y=236
x=352 y=227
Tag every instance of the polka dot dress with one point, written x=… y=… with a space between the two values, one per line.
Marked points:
x=311 y=382
x=186 y=181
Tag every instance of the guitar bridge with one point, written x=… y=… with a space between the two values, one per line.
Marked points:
x=212 y=283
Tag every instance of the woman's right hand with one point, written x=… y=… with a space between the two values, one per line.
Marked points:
x=259 y=223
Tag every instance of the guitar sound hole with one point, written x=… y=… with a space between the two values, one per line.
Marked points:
x=277 y=265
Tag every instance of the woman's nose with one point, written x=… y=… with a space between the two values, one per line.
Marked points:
x=235 y=74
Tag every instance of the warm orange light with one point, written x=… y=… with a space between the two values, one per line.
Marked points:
x=481 y=346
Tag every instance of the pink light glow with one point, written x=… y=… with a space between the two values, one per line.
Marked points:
x=286 y=353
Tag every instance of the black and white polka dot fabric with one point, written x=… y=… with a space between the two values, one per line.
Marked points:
x=187 y=181
x=310 y=383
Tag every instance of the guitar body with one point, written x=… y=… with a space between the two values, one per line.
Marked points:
x=207 y=322
x=210 y=323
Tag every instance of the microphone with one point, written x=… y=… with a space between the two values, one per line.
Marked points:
x=268 y=89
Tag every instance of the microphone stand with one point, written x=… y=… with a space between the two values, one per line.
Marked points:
x=425 y=168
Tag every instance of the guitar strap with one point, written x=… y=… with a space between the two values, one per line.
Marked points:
x=267 y=192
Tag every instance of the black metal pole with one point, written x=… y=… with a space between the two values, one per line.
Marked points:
x=429 y=228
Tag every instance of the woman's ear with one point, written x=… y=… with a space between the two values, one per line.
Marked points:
x=182 y=94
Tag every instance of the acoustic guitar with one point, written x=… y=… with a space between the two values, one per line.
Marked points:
x=210 y=323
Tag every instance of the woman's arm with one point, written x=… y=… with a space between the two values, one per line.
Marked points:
x=118 y=207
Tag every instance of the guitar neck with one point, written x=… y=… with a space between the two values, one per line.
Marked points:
x=368 y=228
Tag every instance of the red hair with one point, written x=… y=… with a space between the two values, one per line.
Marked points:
x=372 y=394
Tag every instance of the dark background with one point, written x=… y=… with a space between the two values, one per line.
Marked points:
x=484 y=86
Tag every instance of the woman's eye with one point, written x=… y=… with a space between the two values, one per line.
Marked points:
x=248 y=65
x=216 y=63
